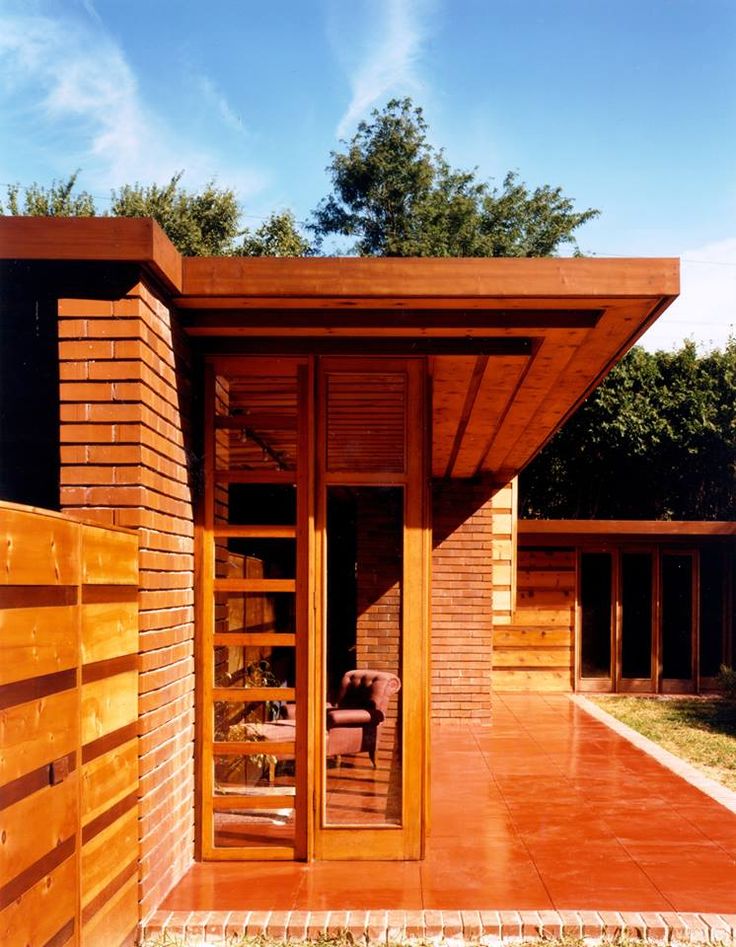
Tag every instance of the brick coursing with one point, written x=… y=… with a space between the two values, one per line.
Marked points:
x=125 y=444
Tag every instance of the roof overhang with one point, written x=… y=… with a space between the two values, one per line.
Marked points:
x=514 y=345
x=550 y=532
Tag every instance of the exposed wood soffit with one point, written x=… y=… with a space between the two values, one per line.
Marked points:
x=230 y=322
x=518 y=346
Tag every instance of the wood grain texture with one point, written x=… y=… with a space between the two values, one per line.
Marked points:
x=42 y=909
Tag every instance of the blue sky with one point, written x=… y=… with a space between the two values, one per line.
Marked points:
x=629 y=106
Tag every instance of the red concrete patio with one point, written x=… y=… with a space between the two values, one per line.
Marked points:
x=548 y=809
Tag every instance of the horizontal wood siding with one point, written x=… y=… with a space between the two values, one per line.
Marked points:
x=68 y=686
x=535 y=651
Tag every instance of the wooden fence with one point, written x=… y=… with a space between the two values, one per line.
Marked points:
x=68 y=731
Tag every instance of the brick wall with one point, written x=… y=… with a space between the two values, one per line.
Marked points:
x=124 y=439
x=462 y=622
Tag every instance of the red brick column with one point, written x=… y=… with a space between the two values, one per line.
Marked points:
x=124 y=440
x=462 y=621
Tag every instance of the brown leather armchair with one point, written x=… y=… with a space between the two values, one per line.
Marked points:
x=353 y=721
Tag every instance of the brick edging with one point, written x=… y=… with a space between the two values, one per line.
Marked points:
x=219 y=928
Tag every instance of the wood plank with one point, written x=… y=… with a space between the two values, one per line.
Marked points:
x=42 y=910
x=546 y=598
x=116 y=920
x=104 y=856
x=227 y=803
x=135 y=240
x=322 y=279
x=498 y=388
x=553 y=559
x=255 y=532
x=37 y=549
x=545 y=579
x=108 y=629
x=255 y=748
x=255 y=639
x=27 y=836
x=531 y=637
x=253 y=694
x=108 y=779
x=108 y=705
x=254 y=585
x=530 y=530
x=35 y=733
x=109 y=557
x=530 y=615
x=36 y=641
x=520 y=657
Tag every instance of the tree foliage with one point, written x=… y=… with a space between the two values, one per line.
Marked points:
x=399 y=196
x=198 y=224
x=656 y=440
x=277 y=236
x=57 y=200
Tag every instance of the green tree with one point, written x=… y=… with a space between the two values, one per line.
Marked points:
x=398 y=196
x=277 y=236
x=57 y=200
x=656 y=440
x=198 y=224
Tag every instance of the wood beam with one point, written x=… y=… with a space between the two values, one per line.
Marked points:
x=373 y=345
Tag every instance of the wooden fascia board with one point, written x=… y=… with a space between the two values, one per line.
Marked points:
x=339 y=278
x=93 y=239
x=572 y=529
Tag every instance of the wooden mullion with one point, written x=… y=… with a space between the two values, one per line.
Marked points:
x=255 y=532
x=255 y=638
x=254 y=748
x=254 y=585
x=252 y=695
x=227 y=803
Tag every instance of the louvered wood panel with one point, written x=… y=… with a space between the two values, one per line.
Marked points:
x=366 y=422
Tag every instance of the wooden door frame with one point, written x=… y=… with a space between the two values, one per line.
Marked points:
x=404 y=842
x=204 y=611
x=679 y=685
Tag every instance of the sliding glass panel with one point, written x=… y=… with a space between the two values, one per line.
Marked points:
x=677 y=616
x=595 y=617
x=636 y=615
x=364 y=643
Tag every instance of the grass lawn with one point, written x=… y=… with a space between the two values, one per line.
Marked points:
x=701 y=730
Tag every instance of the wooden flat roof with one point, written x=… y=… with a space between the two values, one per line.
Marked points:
x=641 y=529
x=514 y=345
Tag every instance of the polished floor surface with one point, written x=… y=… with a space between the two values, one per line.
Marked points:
x=547 y=808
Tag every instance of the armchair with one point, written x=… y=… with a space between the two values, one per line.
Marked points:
x=354 y=720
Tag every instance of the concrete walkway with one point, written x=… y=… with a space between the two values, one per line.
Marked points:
x=548 y=810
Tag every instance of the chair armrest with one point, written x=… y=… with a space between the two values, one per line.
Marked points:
x=353 y=718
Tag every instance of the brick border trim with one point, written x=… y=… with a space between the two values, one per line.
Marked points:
x=220 y=928
x=726 y=797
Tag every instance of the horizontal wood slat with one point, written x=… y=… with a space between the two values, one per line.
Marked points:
x=254 y=585
x=256 y=748
x=255 y=639
x=68 y=676
x=255 y=532
x=253 y=694
x=226 y=803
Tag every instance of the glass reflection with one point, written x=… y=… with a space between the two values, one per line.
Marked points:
x=363 y=761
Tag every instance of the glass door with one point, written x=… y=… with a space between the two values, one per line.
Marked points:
x=679 y=621
x=253 y=628
x=372 y=665
x=636 y=622
x=596 y=621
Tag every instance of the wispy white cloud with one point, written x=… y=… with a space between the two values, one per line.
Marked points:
x=217 y=100
x=706 y=308
x=389 y=63
x=83 y=103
